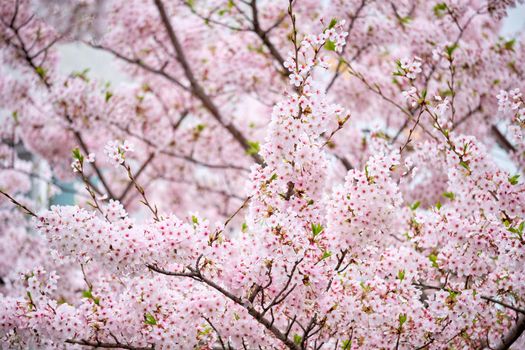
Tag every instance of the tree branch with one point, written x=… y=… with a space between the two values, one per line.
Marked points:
x=197 y=89
x=98 y=344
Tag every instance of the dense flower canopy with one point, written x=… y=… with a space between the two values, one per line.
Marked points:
x=283 y=174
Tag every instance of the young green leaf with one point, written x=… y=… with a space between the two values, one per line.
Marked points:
x=465 y=165
x=41 y=72
x=330 y=45
x=433 y=258
x=150 y=319
x=253 y=148
x=317 y=229
x=514 y=179
x=326 y=254
x=449 y=195
x=450 y=49
x=402 y=319
x=439 y=9
x=108 y=95
x=195 y=220
x=415 y=205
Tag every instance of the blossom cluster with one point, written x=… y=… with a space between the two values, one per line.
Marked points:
x=304 y=201
x=116 y=151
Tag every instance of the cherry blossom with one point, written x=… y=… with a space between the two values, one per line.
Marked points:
x=275 y=175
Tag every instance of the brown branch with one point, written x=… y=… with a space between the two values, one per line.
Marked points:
x=409 y=138
x=502 y=140
x=89 y=188
x=484 y=297
x=263 y=35
x=137 y=174
x=25 y=209
x=161 y=72
x=285 y=291
x=140 y=189
x=180 y=156
x=98 y=344
x=223 y=346
x=208 y=19
x=196 y=89
x=512 y=335
x=237 y=211
x=85 y=149
x=349 y=30
x=467 y=116
x=30 y=61
x=195 y=273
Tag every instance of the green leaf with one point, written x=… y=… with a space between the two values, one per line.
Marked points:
x=453 y=295
x=77 y=155
x=439 y=9
x=244 y=227
x=326 y=254
x=200 y=127
x=415 y=205
x=195 y=220
x=41 y=72
x=450 y=49
x=297 y=339
x=365 y=288
x=89 y=295
x=150 y=319
x=346 y=344
x=438 y=205
x=401 y=275
x=253 y=148
x=514 y=179
x=509 y=45
x=317 y=229
x=108 y=95
x=368 y=177
x=465 y=165
x=230 y=4
x=332 y=24
x=405 y=20
x=402 y=319
x=81 y=74
x=449 y=195
x=207 y=330
x=433 y=258
x=273 y=177
x=329 y=45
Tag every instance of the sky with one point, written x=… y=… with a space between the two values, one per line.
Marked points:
x=515 y=22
